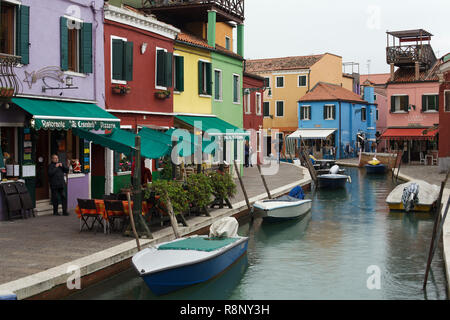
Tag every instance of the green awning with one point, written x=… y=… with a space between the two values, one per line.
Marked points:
x=208 y=123
x=2 y=162
x=63 y=115
x=124 y=142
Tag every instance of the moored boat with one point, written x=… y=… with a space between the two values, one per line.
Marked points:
x=187 y=261
x=332 y=181
x=418 y=195
x=379 y=168
x=282 y=208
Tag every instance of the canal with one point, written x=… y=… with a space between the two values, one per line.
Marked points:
x=344 y=243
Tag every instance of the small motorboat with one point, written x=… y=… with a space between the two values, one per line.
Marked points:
x=286 y=207
x=375 y=166
x=326 y=171
x=333 y=180
x=173 y=265
x=416 y=195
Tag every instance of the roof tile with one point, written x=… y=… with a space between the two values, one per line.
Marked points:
x=331 y=92
x=287 y=63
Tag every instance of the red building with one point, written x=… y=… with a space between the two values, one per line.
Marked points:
x=444 y=114
x=138 y=55
x=253 y=109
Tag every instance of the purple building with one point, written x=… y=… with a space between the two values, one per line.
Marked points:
x=52 y=57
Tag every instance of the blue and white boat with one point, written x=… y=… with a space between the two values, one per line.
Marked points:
x=174 y=265
x=376 y=169
x=332 y=181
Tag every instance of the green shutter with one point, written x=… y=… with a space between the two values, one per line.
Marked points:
x=302 y=117
x=334 y=112
x=309 y=113
x=117 y=59
x=86 y=48
x=208 y=78
x=324 y=112
x=200 y=77
x=437 y=103
x=179 y=65
x=160 y=81
x=64 y=44
x=407 y=104
x=23 y=34
x=168 y=69
x=392 y=104
x=424 y=102
x=128 y=61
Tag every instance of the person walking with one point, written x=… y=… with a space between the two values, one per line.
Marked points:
x=56 y=171
x=247 y=153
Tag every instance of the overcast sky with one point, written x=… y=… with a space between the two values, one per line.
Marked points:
x=353 y=29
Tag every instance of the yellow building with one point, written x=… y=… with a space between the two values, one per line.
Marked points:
x=290 y=79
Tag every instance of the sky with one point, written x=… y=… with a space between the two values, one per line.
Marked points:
x=352 y=29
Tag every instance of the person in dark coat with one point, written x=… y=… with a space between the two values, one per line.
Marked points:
x=56 y=171
x=247 y=154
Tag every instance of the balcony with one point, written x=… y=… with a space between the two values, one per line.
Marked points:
x=408 y=55
x=9 y=83
x=195 y=10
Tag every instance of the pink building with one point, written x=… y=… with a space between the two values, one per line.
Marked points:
x=378 y=81
x=413 y=97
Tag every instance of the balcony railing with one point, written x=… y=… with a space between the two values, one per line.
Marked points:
x=9 y=83
x=233 y=7
x=410 y=54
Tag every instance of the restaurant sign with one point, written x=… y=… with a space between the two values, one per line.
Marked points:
x=64 y=124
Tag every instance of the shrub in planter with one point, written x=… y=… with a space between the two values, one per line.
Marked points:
x=199 y=190
x=174 y=190
x=222 y=184
x=166 y=172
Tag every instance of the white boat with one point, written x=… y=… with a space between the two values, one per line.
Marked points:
x=427 y=196
x=282 y=208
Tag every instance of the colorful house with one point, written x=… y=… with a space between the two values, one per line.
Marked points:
x=336 y=122
x=289 y=79
x=413 y=96
x=378 y=81
x=444 y=114
x=59 y=87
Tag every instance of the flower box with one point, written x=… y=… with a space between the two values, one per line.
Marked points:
x=6 y=92
x=163 y=94
x=121 y=89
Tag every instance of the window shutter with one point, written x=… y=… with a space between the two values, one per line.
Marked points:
x=179 y=66
x=128 y=61
x=309 y=113
x=437 y=103
x=407 y=104
x=392 y=104
x=424 y=102
x=23 y=34
x=86 y=48
x=200 y=77
x=117 y=59
x=302 y=109
x=324 y=112
x=208 y=78
x=334 y=112
x=64 y=47
x=160 y=72
x=168 y=69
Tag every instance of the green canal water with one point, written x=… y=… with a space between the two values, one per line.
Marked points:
x=348 y=237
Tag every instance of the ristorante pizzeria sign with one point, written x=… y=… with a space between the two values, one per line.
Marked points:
x=59 y=124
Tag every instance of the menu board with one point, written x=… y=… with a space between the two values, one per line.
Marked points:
x=86 y=156
x=27 y=147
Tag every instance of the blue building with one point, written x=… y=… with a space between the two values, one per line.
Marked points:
x=334 y=121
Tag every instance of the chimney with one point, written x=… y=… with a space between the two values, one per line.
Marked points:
x=417 y=75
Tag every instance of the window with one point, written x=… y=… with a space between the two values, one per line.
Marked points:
x=363 y=114
x=447 y=101
x=179 y=73
x=121 y=59
x=76 y=46
x=430 y=102
x=280 y=109
x=227 y=43
x=305 y=113
x=121 y=162
x=399 y=103
x=302 y=81
x=218 y=85
x=258 y=103
x=377 y=115
x=204 y=78
x=280 y=82
x=236 y=86
x=267 y=82
x=14 y=30
x=164 y=68
x=247 y=103
x=329 y=112
x=266 y=109
x=374 y=97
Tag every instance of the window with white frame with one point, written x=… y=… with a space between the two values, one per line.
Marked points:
x=377 y=115
x=247 y=101
x=227 y=43
x=305 y=113
x=266 y=109
x=218 y=85
x=258 y=103
x=430 y=102
x=279 y=82
x=236 y=87
x=447 y=101
x=280 y=109
x=399 y=103
x=329 y=112
x=363 y=114
x=302 y=81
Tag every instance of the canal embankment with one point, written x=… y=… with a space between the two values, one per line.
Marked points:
x=40 y=255
x=432 y=175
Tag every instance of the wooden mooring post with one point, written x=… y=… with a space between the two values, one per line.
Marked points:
x=264 y=181
x=242 y=186
x=133 y=226
x=437 y=221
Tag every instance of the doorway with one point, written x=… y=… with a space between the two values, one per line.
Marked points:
x=42 y=162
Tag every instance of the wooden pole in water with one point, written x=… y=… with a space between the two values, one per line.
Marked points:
x=173 y=219
x=130 y=213
x=436 y=223
x=242 y=186
x=264 y=181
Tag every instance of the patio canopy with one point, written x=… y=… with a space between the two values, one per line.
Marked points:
x=309 y=134
x=65 y=115
x=409 y=134
x=213 y=123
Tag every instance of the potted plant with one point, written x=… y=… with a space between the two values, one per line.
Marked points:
x=172 y=189
x=162 y=94
x=223 y=188
x=199 y=192
x=121 y=89
x=9 y=92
